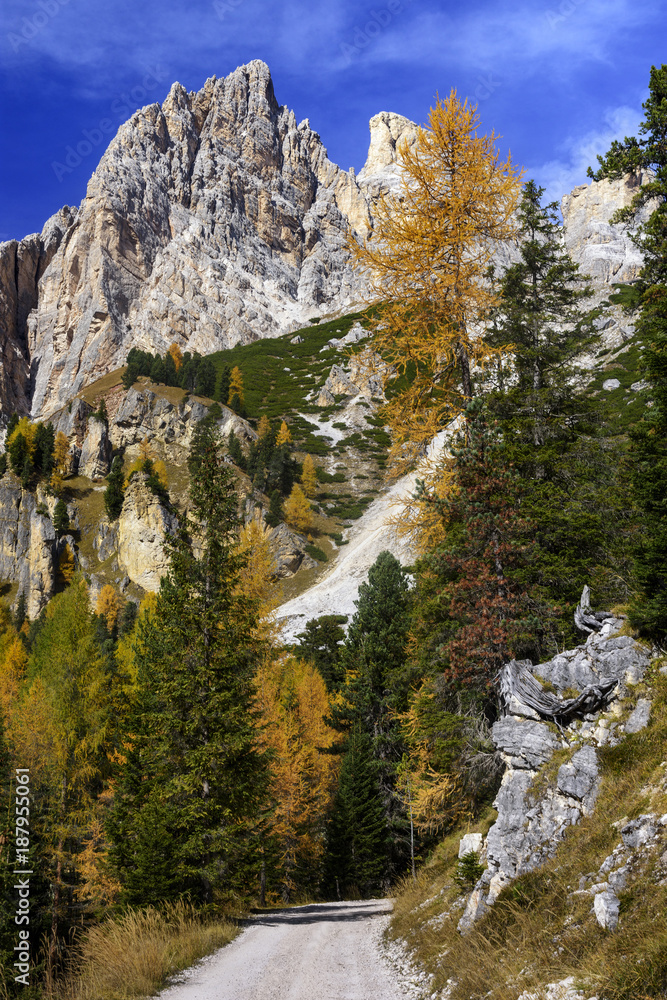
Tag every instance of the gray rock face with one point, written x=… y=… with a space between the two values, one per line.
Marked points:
x=95 y=456
x=168 y=426
x=524 y=744
x=579 y=777
x=604 y=251
x=211 y=219
x=639 y=717
x=606 y=906
x=289 y=552
x=471 y=842
x=142 y=527
x=28 y=551
x=22 y=264
x=603 y=657
x=532 y=818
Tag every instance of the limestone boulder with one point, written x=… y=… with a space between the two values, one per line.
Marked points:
x=142 y=526
x=95 y=457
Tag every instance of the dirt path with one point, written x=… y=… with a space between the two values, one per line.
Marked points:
x=327 y=951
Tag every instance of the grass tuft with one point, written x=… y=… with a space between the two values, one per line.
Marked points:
x=133 y=955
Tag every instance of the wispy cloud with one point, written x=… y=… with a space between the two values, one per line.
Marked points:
x=560 y=175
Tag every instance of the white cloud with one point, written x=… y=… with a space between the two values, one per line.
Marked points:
x=559 y=176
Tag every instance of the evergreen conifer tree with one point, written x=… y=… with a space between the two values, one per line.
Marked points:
x=570 y=486
x=205 y=385
x=222 y=385
x=275 y=513
x=195 y=781
x=376 y=688
x=171 y=376
x=321 y=642
x=157 y=371
x=357 y=841
x=61 y=517
x=234 y=450
x=649 y=439
x=115 y=492
x=130 y=375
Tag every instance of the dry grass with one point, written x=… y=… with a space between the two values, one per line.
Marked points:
x=133 y=955
x=538 y=931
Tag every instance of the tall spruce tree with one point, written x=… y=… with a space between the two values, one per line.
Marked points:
x=357 y=838
x=115 y=491
x=571 y=489
x=195 y=781
x=646 y=158
x=376 y=688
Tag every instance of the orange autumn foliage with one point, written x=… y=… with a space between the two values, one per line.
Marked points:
x=428 y=257
x=292 y=701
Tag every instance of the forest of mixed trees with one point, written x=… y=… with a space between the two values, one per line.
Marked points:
x=179 y=750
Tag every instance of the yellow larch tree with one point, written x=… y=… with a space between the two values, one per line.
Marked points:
x=284 y=435
x=256 y=577
x=60 y=462
x=263 y=427
x=236 y=389
x=428 y=257
x=309 y=476
x=176 y=354
x=293 y=703
x=297 y=510
x=109 y=605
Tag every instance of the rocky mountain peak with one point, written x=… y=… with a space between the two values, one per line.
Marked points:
x=211 y=219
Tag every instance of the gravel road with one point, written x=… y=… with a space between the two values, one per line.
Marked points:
x=326 y=951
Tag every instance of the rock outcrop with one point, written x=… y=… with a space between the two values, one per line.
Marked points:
x=28 y=549
x=168 y=426
x=604 y=251
x=142 y=526
x=95 y=456
x=533 y=813
x=22 y=265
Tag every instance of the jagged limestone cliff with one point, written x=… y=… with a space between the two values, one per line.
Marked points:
x=211 y=219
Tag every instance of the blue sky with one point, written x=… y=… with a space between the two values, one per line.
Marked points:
x=557 y=79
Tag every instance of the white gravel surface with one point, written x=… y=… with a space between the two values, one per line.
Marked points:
x=325 y=951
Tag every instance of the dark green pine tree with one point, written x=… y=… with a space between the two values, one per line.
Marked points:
x=190 y=796
x=321 y=642
x=170 y=374
x=61 y=518
x=157 y=373
x=130 y=375
x=357 y=839
x=638 y=156
x=275 y=513
x=43 y=449
x=115 y=492
x=18 y=452
x=376 y=688
x=222 y=385
x=571 y=487
x=235 y=452
x=205 y=385
x=20 y=614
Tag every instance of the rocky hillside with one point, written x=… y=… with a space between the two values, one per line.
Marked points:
x=550 y=896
